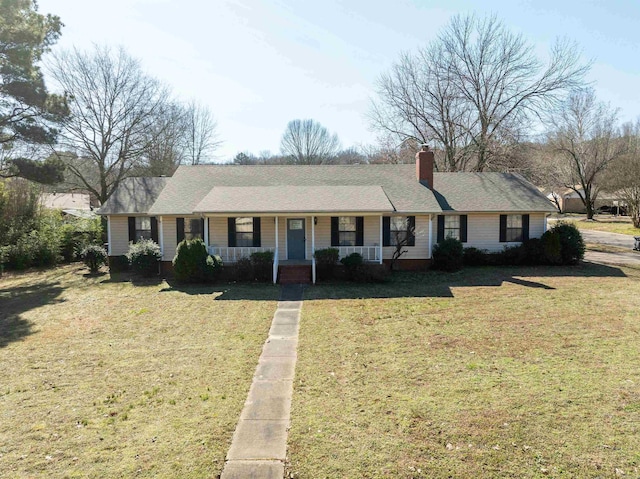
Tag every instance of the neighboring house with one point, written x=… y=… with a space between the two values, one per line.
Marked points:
x=75 y=204
x=295 y=210
x=571 y=201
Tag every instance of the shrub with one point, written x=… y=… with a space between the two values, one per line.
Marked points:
x=448 y=255
x=76 y=234
x=326 y=261
x=37 y=248
x=353 y=264
x=94 y=257
x=262 y=264
x=190 y=264
x=551 y=247
x=571 y=243
x=370 y=273
x=144 y=257
x=475 y=257
x=118 y=264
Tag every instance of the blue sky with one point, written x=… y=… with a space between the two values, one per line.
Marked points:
x=259 y=63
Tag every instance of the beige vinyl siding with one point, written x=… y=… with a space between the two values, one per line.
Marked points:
x=483 y=230
x=421 y=249
x=119 y=235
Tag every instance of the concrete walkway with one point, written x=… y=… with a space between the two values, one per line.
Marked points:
x=259 y=444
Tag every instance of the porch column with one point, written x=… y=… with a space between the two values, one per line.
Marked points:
x=109 y=235
x=313 y=249
x=161 y=236
x=430 y=242
x=206 y=231
x=381 y=238
x=276 y=248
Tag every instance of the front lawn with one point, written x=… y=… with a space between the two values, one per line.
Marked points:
x=107 y=379
x=514 y=372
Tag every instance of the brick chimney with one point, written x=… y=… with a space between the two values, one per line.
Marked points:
x=424 y=166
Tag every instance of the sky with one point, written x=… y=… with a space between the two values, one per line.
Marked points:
x=257 y=64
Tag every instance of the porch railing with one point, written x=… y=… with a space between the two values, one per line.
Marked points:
x=369 y=253
x=232 y=255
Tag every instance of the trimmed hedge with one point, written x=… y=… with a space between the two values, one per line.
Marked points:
x=448 y=255
x=144 y=257
x=193 y=264
x=94 y=257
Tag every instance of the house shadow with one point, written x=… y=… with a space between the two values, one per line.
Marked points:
x=17 y=300
x=425 y=284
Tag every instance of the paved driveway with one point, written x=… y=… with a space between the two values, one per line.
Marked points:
x=612 y=239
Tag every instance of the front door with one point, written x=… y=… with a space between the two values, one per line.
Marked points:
x=295 y=238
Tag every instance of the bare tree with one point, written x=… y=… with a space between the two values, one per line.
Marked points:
x=200 y=135
x=473 y=91
x=113 y=105
x=585 y=140
x=307 y=142
x=165 y=149
x=623 y=176
x=401 y=237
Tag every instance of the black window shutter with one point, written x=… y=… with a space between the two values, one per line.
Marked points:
x=335 y=237
x=463 y=228
x=179 y=229
x=202 y=228
x=154 y=229
x=386 y=231
x=257 y=239
x=359 y=230
x=440 y=233
x=411 y=239
x=525 y=227
x=132 y=229
x=503 y=228
x=231 y=232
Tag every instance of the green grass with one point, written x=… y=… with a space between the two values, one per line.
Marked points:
x=530 y=372
x=108 y=379
x=606 y=223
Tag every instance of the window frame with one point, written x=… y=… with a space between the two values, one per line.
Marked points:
x=244 y=239
x=141 y=233
x=188 y=233
x=456 y=229
x=397 y=236
x=514 y=234
x=342 y=232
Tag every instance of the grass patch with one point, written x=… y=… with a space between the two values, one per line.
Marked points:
x=108 y=379
x=605 y=248
x=490 y=372
x=606 y=223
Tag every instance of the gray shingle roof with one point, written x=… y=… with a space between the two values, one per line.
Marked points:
x=134 y=195
x=190 y=184
x=294 y=199
x=490 y=192
x=322 y=188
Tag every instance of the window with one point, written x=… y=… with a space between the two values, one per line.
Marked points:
x=452 y=226
x=399 y=228
x=192 y=228
x=514 y=228
x=347 y=231
x=244 y=231
x=143 y=228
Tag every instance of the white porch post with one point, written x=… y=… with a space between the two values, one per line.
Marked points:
x=276 y=248
x=313 y=249
x=161 y=235
x=545 y=224
x=109 y=235
x=381 y=238
x=430 y=242
x=206 y=231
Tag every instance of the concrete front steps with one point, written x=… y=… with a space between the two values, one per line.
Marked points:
x=294 y=274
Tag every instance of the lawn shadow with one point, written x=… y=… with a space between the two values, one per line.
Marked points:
x=228 y=291
x=437 y=284
x=17 y=300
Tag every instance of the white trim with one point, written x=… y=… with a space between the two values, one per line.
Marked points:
x=381 y=237
x=430 y=236
x=161 y=235
x=206 y=231
x=313 y=237
x=109 y=235
x=277 y=245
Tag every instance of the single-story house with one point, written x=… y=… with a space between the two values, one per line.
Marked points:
x=296 y=210
x=74 y=204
